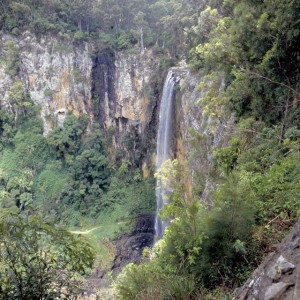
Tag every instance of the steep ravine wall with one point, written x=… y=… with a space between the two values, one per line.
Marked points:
x=192 y=123
x=278 y=277
x=55 y=73
x=125 y=95
x=114 y=89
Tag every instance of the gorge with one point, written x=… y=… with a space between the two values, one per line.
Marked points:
x=114 y=113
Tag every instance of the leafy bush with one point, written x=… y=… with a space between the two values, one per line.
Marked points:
x=150 y=281
x=40 y=260
x=79 y=36
x=11 y=51
x=7 y=128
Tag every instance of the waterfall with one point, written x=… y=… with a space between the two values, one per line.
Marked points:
x=164 y=138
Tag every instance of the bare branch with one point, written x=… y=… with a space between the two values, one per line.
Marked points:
x=257 y=75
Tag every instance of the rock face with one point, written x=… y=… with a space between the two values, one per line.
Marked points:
x=133 y=77
x=121 y=91
x=56 y=74
x=103 y=88
x=129 y=246
x=112 y=89
x=193 y=123
x=278 y=278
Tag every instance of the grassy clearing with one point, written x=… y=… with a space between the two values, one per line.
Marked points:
x=102 y=231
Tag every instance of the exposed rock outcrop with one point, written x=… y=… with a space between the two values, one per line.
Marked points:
x=129 y=246
x=278 y=277
x=123 y=95
x=55 y=72
x=192 y=122
x=114 y=89
x=103 y=88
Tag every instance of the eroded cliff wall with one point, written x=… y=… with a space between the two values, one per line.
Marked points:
x=118 y=91
x=56 y=74
x=198 y=133
x=125 y=92
x=278 y=276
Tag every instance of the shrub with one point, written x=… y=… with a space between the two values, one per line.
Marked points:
x=40 y=260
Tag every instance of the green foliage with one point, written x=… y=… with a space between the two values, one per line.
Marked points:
x=50 y=183
x=215 y=102
x=135 y=196
x=227 y=157
x=30 y=148
x=199 y=239
x=150 y=281
x=79 y=36
x=65 y=142
x=217 y=245
x=40 y=260
x=7 y=127
x=11 y=53
x=118 y=25
x=228 y=250
x=254 y=44
x=124 y=168
x=125 y=40
x=76 y=189
x=106 y=40
x=65 y=173
x=20 y=103
x=91 y=178
x=25 y=155
x=183 y=261
x=277 y=189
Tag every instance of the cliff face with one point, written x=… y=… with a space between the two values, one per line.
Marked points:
x=121 y=92
x=56 y=74
x=110 y=88
x=198 y=134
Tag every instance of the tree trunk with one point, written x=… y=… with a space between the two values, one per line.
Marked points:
x=283 y=121
x=142 y=40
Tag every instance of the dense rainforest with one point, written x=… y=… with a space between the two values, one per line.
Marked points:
x=248 y=55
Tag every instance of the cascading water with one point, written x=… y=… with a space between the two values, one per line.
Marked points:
x=164 y=138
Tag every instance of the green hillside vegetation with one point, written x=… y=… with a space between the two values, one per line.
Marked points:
x=209 y=250
x=66 y=177
x=65 y=170
x=67 y=174
x=115 y=24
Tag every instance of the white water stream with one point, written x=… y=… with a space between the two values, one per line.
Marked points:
x=164 y=139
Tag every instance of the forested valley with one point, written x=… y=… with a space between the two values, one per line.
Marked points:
x=69 y=189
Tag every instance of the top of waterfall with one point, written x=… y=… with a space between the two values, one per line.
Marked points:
x=179 y=70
